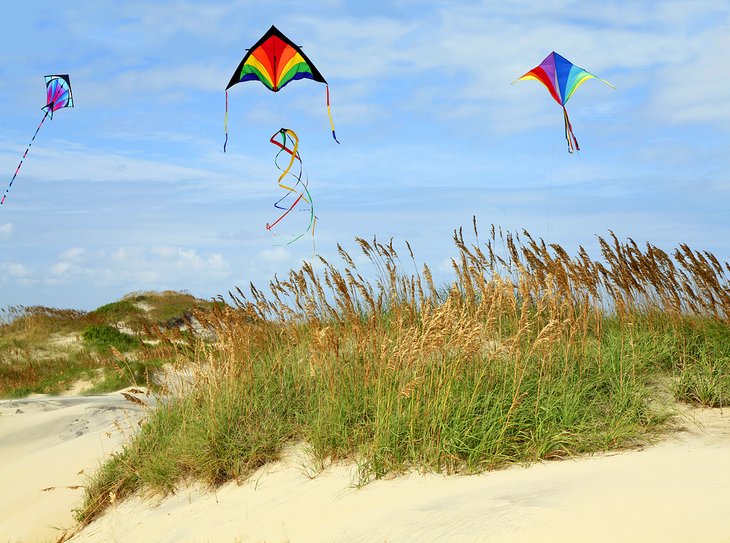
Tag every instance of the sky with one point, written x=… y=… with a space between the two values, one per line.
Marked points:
x=130 y=190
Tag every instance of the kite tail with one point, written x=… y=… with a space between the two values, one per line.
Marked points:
x=569 y=136
x=286 y=135
x=225 y=124
x=329 y=112
x=24 y=155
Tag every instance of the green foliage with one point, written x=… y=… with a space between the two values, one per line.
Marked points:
x=118 y=311
x=704 y=367
x=102 y=336
x=161 y=307
x=128 y=373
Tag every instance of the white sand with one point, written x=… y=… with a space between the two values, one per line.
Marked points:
x=678 y=490
x=51 y=443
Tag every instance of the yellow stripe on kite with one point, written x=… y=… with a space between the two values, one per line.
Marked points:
x=296 y=59
x=253 y=62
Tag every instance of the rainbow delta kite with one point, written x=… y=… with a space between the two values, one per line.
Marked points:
x=561 y=77
x=58 y=96
x=276 y=61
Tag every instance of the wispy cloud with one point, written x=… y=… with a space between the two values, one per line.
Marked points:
x=14 y=269
x=6 y=230
x=133 y=267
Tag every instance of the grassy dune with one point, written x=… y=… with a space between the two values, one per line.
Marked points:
x=47 y=350
x=529 y=354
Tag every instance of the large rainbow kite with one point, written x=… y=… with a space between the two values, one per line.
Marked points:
x=561 y=77
x=276 y=61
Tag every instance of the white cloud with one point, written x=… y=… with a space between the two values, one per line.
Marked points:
x=674 y=49
x=131 y=268
x=73 y=253
x=165 y=251
x=60 y=268
x=6 y=230
x=275 y=255
x=166 y=264
x=163 y=83
x=119 y=255
x=697 y=90
x=14 y=269
x=69 y=162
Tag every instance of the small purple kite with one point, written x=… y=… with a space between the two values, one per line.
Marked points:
x=58 y=96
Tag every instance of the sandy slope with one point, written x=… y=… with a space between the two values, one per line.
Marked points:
x=47 y=444
x=678 y=490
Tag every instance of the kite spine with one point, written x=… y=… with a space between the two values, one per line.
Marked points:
x=25 y=155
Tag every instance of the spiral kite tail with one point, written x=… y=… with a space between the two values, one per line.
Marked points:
x=287 y=136
x=569 y=135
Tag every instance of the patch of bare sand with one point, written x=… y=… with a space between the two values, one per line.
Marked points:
x=47 y=445
x=66 y=342
x=678 y=490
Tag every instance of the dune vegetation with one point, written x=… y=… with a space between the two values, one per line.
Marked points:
x=528 y=354
x=47 y=350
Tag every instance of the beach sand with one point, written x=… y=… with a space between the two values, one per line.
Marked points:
x=48 y=444
x=677 y=490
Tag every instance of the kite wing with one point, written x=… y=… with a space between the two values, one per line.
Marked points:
x=58 y=94
x=276 y=61
x=561 y=78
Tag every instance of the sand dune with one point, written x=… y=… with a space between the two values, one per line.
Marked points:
x=47 y=445
x=678 y=490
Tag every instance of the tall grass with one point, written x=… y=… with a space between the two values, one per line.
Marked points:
x=528 y=354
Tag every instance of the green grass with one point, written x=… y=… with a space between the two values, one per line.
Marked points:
x=159 y=307
x=128 y=373
x=448 y=415
x=103 y=337
x=703 y=372
x=121 y=310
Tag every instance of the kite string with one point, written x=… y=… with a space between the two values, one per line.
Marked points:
x=550 y=185
x=24 y=155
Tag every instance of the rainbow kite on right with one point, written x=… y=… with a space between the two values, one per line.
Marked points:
x=561 y=77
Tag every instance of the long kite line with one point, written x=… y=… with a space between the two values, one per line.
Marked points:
x=58 y=95
x=290 y=144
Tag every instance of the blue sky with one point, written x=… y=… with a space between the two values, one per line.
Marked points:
x=131 y=191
